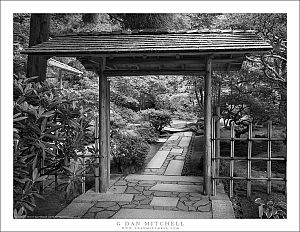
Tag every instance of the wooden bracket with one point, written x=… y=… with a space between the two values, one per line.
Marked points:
x=97 y=64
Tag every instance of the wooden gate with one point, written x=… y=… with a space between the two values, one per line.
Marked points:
x=216 y=158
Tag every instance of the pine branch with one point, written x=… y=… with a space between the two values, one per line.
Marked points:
x=271 y=69
x=113 y=17
x=253 y=60
x=278 y=57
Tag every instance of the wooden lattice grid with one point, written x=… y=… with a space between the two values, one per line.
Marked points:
x=249 y=159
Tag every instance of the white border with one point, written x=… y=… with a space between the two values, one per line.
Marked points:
x=8 y=8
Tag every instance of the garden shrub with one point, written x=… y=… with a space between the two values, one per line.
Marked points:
x=157 y=118
x=128 y=152
x=162 y=101
x=185 y=115
x=124 y=101
x=32 y=135
x=121 y=115
x=47 y=126
x=73 y=172
x=147 y=132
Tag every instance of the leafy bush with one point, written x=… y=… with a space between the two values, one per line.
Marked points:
x=32 y=136
x=185 y=115
x=157 y=118
x=26 y=189
x=48 y=130
x=128 y=152
x=162 y=101
x=147 y=132
x=120 y=116
x=181 y=102
x=125 y=101
x=73 y=173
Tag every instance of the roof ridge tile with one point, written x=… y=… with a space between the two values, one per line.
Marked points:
x=160 y=31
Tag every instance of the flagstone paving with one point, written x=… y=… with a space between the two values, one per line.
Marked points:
x=75 y=210
x=161 y=140
x=158 y=192
x=175 y=148
x=177 y=188
x=158 y=160
x=174 y=168
x=164 y=201
x=95 y=197
x=159 y=214
x=136 y=177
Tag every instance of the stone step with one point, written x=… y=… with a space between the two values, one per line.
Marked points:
x=190 y=134
x=75 y=210
x=177 y=150
x=161 y=140
x=173 y=137
x=171 y=129
x=158 y=160
x=222 y=209
x=174 y=168
x=117 y=189
x=195 y=179
x=94 y=197
x=164 y=201
x=178 y=188
x=160 y=214
x=184 y=142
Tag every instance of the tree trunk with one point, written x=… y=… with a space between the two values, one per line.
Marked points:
x=39 y=32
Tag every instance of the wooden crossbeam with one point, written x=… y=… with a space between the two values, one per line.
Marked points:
x=112 y=73
x=168 y=65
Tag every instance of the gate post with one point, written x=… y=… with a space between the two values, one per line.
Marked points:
x=103 y=130
x=207 y=185
x=108 y=131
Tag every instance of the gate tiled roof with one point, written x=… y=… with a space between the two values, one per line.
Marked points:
x=145 y=41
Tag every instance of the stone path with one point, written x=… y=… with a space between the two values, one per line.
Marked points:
x=175 y=167
x=158 y=192
x=167 y=193
x=154 y=214
x=174 y=149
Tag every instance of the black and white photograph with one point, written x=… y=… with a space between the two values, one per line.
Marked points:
x=144 y=119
